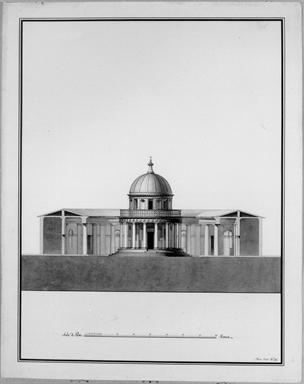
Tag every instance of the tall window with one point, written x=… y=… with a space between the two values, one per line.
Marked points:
x=150 y=204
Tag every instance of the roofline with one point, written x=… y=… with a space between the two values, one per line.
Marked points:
x=76 y=213
x=231 y=211
x=141 y=195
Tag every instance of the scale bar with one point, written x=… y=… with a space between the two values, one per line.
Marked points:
x=149 y=336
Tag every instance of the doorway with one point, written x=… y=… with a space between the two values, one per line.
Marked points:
x=150 y=238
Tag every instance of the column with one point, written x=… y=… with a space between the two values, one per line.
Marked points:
x=173 y=235
x=167 y=235
x=112 y=238
x=41 y=235
x=125 y=234
x=179 y=231
x=121 y=236
x=155 y=236
x=237 y=237
x=260 y=237
x=234 y=240
x=98 y=239
x=215 y=240
x=84 y=236
x=188 y=239
x=94 y=233
x=133 y=235
x=144 y=235
x=206 y=240
x=137 y=236
x=62 y=234
x=176 y=236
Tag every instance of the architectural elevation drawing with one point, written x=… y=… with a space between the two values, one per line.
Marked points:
x=151 y=246
x=204 y=98
x=151 y=226
x=151 y=189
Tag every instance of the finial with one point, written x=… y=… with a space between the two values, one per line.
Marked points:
x=150 y=169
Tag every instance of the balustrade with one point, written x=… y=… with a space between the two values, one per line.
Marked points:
x=140 y=213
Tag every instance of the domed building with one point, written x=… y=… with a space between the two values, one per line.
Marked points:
x=150 y=222
x=151 y=226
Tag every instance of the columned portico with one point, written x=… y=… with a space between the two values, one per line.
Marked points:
x=143 y=229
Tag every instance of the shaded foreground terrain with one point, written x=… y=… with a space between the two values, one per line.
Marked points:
x=151 y=274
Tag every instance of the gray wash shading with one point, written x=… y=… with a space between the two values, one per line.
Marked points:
x=151 y=274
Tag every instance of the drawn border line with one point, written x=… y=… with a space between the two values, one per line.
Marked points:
x=165 y=19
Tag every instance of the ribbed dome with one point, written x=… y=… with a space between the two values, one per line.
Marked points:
x=150 y=184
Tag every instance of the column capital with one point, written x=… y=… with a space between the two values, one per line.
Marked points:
x=84 y=220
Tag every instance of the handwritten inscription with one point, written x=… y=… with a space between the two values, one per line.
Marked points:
x=266 y=359
x=77 y=334
x=221 y=336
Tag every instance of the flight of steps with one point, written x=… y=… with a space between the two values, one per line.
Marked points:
x=177 y=252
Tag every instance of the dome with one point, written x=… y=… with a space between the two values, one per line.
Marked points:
x=150 y=184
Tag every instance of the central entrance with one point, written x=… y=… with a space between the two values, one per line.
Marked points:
x=150 y=238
